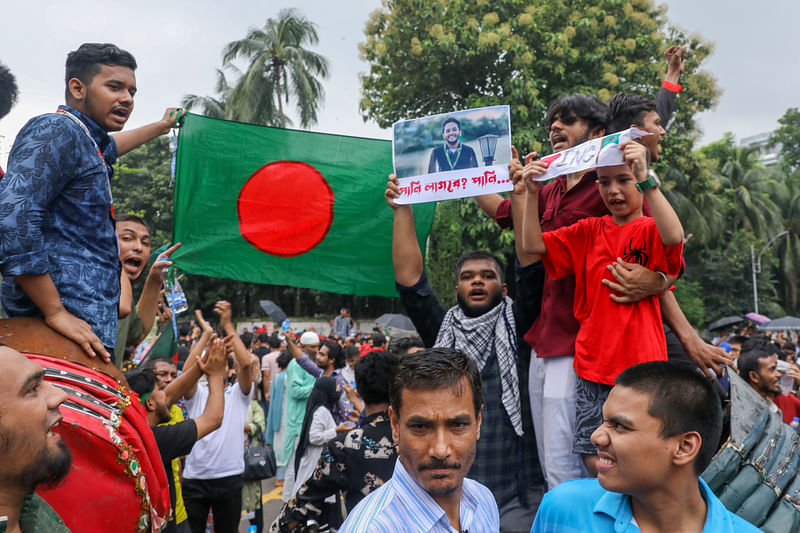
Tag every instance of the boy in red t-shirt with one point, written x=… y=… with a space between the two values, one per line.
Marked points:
x=612 y=336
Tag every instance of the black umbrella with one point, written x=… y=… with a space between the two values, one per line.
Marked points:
x=786 y=323
x=395 y=320
x=274 y=312
x=725 y=322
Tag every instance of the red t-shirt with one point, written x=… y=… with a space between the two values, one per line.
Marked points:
x=789 y=406
x=612 y=336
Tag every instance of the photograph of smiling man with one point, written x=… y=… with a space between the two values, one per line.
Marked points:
x=59 y=258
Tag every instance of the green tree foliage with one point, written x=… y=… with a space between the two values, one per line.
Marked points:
x=788 y=134
x=430 y=57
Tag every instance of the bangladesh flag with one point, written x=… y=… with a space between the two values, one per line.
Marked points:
x=285 y=207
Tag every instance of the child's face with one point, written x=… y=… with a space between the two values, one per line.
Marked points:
x=617 y=188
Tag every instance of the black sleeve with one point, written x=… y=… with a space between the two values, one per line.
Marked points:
x=528 y=299
x=665 y=104
x=175 y=440
x=424 y=308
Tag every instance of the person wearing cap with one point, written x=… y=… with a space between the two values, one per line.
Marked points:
x=298 y=388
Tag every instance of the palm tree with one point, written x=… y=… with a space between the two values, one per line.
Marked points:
x=279 y=68
x=699 y=207
x=210 y=106
x=788 y=246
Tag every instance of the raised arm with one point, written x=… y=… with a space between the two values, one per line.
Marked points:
x=148 y=301
x=667 y=221
x=131 y=139
x=242 y=354
x=406 y=255
x=197 y=350
x=704 y=355
x=520 y=176
x=215 y=368
x=528 y=235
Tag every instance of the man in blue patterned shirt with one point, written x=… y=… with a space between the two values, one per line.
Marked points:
x=58 y=248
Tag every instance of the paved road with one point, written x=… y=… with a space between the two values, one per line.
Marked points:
x=272 y=504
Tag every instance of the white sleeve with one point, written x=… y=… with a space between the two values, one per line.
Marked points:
x=323 y=427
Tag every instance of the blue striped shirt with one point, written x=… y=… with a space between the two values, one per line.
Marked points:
x=403 y=505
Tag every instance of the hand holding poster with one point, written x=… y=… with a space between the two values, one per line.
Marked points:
x=594 y=153
x=452 y=155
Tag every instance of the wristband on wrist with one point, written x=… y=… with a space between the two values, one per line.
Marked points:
x=666 y=281
x=651 y=182
x=674 y=87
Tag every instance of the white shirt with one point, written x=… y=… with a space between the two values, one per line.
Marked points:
x=221 y=452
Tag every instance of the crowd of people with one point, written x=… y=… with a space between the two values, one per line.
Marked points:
x=585 y=401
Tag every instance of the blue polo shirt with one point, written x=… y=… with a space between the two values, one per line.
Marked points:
x=583 y=505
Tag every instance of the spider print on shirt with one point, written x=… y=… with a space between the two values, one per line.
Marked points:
x=635 y=255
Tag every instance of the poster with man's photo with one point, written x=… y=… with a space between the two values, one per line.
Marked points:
x=452 y=155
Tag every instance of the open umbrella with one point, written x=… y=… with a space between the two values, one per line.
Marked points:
x=275 y=313
x=757 y=318
x=395 y=320
x=725 y=322
x=786 y=323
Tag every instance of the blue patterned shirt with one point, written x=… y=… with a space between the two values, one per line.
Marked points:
x=401 y=505
x=55 y=217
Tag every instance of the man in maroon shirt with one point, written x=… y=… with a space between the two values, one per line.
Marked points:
x=571 y=121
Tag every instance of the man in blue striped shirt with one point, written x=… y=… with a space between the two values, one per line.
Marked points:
x=435 y=413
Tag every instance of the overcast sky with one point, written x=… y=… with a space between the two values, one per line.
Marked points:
x=178 y=44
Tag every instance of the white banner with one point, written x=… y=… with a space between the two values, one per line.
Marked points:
x=600 y=152
x=453 y=184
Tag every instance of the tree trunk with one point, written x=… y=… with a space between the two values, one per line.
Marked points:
x=276 y=75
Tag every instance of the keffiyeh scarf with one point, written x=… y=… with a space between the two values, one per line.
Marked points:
x=475 y=336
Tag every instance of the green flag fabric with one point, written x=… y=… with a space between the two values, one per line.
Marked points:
x=286 y=207
x=165 y=346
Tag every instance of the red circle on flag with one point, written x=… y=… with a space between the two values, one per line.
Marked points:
x=285 y=208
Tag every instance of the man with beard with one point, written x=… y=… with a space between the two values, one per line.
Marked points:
x=435 y=415
x=178 y=439
x=453 y=154
x=484 y=326
x=31 y=454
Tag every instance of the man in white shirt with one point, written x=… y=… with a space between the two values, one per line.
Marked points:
x=213 y=472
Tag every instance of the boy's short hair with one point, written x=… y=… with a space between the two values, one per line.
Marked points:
x=274 y=342
x=627 y=109
x=85 y=62
x=127 y=217
x=401 y=345
x=682 y=400
x=374 y=374
x=579 y=106
x=480 y=254
x=8 y=90
x=247 y=339
x=142 y=381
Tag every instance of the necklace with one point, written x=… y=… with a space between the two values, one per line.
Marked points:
x=447 y=155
